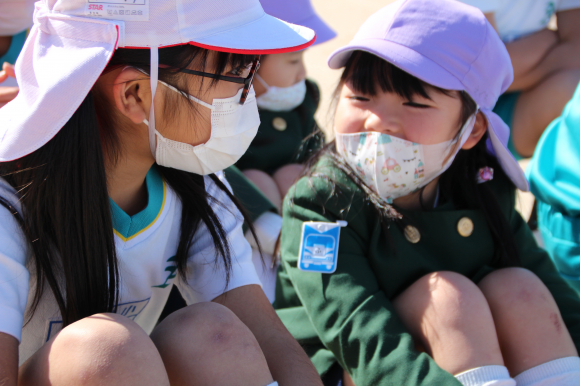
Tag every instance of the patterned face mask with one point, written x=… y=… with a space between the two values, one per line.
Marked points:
x=394 y=167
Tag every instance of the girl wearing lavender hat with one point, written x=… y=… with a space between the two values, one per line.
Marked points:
x=404 y=261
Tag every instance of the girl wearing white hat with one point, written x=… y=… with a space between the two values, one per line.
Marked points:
x=111 y=193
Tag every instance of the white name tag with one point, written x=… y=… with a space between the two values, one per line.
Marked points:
x=128 y=10
x=319 y=246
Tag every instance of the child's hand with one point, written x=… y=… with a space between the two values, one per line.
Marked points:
x=7 y=71
x=7 y=93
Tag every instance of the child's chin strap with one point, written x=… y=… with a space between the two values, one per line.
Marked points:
x=154 y=76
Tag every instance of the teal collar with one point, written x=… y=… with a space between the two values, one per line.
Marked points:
x=128 y=227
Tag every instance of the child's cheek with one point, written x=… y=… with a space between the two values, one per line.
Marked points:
x=346 y=123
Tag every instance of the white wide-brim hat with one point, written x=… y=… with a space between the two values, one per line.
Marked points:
x=72 y=41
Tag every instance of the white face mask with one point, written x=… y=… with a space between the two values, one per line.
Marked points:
x=281 y=98
x=394 y=167
x=233 y=127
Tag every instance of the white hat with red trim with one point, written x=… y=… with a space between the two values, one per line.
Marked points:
x=72 y=42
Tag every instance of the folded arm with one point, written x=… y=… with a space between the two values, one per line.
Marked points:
x=543 y=53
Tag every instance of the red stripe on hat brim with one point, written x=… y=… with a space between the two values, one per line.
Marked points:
x=239 y=50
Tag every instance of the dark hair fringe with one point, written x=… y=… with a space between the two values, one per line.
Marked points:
x=370 y=75
x=66 y=215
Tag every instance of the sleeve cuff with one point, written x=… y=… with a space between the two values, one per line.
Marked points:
x=11 y=322
x=268 y=227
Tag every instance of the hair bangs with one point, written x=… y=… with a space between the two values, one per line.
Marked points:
x=369 y=74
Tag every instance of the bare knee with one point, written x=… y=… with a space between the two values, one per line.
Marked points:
x=214 y=341
x=286 y=176
x=518 y=294
x=208 y=321
x=449 y=316
x=529 y=325
x=515 y=287
x=441 y=298
x=95 y=350
x=266 y=184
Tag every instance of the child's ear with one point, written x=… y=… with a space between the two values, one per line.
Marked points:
x=132 y=94
x=479 y=130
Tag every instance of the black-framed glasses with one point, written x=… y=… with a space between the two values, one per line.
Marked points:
x=247 y=81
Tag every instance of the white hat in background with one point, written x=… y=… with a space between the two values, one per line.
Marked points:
x=72 y=42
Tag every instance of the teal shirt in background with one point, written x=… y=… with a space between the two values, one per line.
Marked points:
x=554 y=174
x=15 y=48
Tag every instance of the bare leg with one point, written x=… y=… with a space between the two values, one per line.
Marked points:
x=529 y=325
x=266 y=184
x=104 y=349
x=449 y=315
x=206 y=344
x=286 y=176
x=539 y=106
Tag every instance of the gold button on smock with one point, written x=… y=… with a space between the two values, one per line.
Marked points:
x=412 y=234
x=279 y=124
x=465 y=227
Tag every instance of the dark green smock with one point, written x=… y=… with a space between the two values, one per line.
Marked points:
x=347 y=316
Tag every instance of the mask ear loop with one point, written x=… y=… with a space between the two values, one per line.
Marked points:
x=154 y=76
x=262 y=81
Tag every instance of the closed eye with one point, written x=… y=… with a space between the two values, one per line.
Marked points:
x=416 y=105
x=358 y=98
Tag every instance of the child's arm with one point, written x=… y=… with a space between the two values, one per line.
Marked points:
x=8 y=360
x=349 y=311
x=7 y=93
x=543 y=53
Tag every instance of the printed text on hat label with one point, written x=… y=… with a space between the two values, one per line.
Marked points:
x=127 y=10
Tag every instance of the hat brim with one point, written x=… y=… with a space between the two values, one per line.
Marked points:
x=403 y=57
x=323 y=31
x=265 y=35
x=505 y=158
x=50 y=90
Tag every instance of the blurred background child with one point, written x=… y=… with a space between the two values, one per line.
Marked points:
x=554 y=175
x=15 y=19
x=546 y=63
x=287 y=102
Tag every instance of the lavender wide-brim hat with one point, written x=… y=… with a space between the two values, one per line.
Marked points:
x=449 y=45
x=299 y=12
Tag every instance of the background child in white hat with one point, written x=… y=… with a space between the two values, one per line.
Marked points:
x=111 y=193
x=403 y=233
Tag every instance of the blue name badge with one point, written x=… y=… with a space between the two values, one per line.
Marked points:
x=319 y=246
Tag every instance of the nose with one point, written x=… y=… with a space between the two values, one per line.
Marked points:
x=384 y=120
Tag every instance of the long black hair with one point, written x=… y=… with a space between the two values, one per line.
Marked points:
x=66 y=215
x=369 y=75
